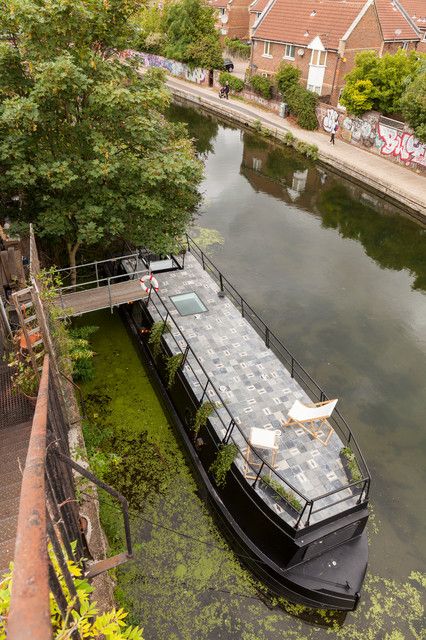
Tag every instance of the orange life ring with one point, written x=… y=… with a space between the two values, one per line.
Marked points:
x=153 y=284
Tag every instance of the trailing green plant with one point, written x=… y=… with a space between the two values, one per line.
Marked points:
x=280 y=492
x=222 y=464
x=236 y=84
x=87 y=622
x=302 y=104
x=173 y=365
x=202 y=415
x=262 y=86
x=353 y=465
x=157 y=331
x=238 y=48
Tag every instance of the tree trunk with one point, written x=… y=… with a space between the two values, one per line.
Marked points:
x=72 y=251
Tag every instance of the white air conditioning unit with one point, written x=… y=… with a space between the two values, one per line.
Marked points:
x=224 y=18
x=300 y=52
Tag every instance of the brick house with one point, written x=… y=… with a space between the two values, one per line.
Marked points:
x=232 y=18
x=416 y=9
x=256 y=9
x=322 y=38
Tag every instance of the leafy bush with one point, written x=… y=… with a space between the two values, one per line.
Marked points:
x=81 y=354
x=261 y=85
x=308 y=150
x=379 y=83
x=302 y=104
x=287 y=77
x=87 y=622
x=236 y=84
x=413 y=105
x=359 y=96
x=238 y=48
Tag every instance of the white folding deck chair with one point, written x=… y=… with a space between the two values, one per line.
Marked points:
x=312 y=419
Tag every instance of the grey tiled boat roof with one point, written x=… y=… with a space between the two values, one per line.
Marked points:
x=256 y=387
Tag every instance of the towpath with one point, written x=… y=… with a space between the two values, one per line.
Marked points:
x=395 y=182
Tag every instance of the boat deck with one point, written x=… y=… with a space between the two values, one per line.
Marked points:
x=256 y=387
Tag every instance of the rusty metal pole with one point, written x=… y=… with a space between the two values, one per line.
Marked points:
x=29 y=616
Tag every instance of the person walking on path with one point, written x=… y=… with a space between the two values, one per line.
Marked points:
x=226 y=90
x=333 y=132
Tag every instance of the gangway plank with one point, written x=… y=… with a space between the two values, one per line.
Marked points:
x=107 y=296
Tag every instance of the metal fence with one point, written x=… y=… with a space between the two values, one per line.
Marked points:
x=49 y=532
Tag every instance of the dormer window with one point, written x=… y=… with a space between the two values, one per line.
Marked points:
x=222 y=11
x=313 y=13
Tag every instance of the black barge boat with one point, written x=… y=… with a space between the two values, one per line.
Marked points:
x=298 y=519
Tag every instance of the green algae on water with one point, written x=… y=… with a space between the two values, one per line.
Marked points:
x=185 y=582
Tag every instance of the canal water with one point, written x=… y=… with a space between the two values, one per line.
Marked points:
x=341 y=280
x=340 y=276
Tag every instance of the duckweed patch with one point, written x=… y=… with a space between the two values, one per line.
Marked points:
x=185 y=583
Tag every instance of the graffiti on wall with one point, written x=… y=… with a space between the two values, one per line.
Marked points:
x=178 y=69
x=370 y=133
x=329 y=120
x=401 y=144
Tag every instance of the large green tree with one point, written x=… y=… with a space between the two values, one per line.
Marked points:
x=378 y=83
x=86 y=152
x=191 y=34
x=413 y=105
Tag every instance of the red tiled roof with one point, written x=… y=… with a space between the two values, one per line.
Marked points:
x=416 y=9
x=258 y=5
x=394 y=24
x=300 y=21
x=218 y=4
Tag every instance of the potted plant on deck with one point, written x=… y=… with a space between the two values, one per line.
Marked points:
x=24 y=379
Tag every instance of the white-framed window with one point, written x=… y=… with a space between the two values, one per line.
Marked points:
x=264 y=74
x=258 y=14
x=257 y=164
x=289 y=51
x=267 y=49
x=222 y=11
x=404 y=46
x=318 y=58
x=314 y=89
x=424 y=37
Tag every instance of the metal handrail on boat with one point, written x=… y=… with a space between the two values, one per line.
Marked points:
x=185 y=348
x=297 y=371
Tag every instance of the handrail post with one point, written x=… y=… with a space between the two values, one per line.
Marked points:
x=97 y=274
x=258 y=473
x=311 y=504
x=220 y=281
x=109 y=293
x=229 y=431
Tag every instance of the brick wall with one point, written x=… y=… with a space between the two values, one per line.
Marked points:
x=393 y=141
